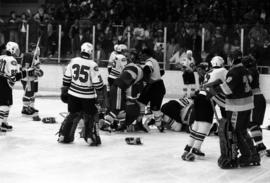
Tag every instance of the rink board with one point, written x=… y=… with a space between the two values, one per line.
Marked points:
x=52 y=81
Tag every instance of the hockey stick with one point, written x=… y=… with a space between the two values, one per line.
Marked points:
x=28 y=83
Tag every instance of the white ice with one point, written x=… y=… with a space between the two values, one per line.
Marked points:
x=30 y=153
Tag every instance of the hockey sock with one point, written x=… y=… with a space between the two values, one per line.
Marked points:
x=256 y=134
x=200 y=134
x=4 y=112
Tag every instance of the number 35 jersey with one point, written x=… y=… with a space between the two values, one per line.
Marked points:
x=82 y=76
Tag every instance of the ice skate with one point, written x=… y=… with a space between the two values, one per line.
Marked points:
x=261 y=149
x=2 y=131
x=268 y=152
x=6 y=127
x=187 y=155
x=198 y=152
x=27 y=110
x=227 y=163
x=253 y=160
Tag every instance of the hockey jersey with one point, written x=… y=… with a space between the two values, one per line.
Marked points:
x=29 y=61
x=237 y=89
x=213 y=75
x=8 y=69
x=255 y=83
x=82 y=77
x=155 y=69
x=117 y=65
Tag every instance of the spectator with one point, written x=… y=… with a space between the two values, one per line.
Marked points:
x=258 y=34
x=22 y=32
x=74 y=37
x=13 y=27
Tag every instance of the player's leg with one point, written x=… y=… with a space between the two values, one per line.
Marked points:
x=256 y=122
x=157 y=94
x=91 y=128
x=249 y=155
x=69 y=125
x=27 y=97
x=4 y=113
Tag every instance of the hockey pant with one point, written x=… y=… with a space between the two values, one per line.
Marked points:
x=30 y=89
x=68 y=128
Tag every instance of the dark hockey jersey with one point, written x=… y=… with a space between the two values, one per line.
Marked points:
x=130 y=79
x=237 y=89
x=255 y=83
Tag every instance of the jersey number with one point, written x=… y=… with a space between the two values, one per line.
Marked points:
x=80 y=73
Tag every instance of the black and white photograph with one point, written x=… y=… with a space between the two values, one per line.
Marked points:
x=134 y=91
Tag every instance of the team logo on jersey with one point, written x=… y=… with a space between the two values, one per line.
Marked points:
x=229 y=79
x=96 y=68
x=13 y=63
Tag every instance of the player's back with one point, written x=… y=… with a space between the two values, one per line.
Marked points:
x=80 y=70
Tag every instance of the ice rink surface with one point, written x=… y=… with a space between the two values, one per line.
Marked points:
x=31 y=154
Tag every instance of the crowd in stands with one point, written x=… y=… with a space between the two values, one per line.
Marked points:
x=184 y=20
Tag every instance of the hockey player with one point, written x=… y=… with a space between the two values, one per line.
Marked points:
x=9 y=74
x=154 y=90
x=116 y=63
x=30 y=84
x=259 y=105
x=82 y=84
x=187 y=66
x=178 y=114
x=123 y=95
x=239 y=104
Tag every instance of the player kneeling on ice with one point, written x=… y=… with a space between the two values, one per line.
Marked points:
x=178 y=114
x=9 y=74
x=30 y=61
x=124 y=108
x=82 y=85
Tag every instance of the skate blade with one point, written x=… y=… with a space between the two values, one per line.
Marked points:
x=249 y=165
x=5 y=130
x=200 y=157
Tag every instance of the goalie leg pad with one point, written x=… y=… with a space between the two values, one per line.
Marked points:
x=91 y=130
x=68 y=127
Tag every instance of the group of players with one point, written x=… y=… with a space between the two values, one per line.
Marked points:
x=11 y=70
x=133 y=100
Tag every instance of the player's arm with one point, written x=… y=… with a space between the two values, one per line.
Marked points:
x=68 y=75
x=148 y=69
x=228 y=86
x=37 y=70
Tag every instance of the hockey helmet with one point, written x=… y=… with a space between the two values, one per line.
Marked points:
x=189 y=53
x=123 y=47
x=217 y=61
x=249 y=61
x=115 y=47
x=87 y=48
x=13 y=48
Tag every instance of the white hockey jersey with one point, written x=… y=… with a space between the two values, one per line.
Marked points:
x=8 y=69
x=83 y=77
x=155 y=69
x=117 y=65
x=213 y=75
